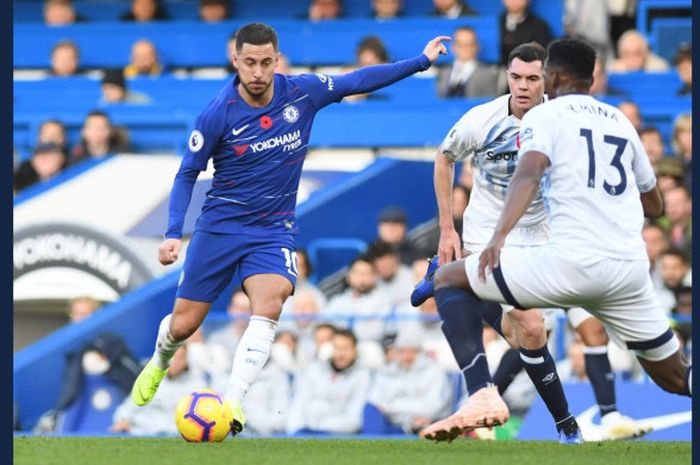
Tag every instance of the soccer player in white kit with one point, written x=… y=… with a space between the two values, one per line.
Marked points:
x=588 y=163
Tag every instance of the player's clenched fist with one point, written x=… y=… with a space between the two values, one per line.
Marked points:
x=168 y=251
x=435 y=48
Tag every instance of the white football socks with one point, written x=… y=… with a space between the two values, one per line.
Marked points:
x=166 y=346
x=251 y=354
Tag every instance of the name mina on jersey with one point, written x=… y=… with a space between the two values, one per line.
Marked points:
x=258 y=153
x=490 y=132
x=598 y=167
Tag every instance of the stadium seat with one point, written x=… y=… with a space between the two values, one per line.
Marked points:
x=668 y=33
x=328 y=255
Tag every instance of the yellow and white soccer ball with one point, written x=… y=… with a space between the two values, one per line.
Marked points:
x=203 y=416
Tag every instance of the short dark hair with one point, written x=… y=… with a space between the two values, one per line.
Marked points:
x=348 y=334
x=256 y=34
x=676 y=253
x=363 y=257
x=98 y=113
x=380 y=248
x=650 y=130
x=373 y=44
x=574 y=57
x=528 y=52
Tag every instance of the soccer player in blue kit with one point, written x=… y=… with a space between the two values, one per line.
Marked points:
x=256 y=131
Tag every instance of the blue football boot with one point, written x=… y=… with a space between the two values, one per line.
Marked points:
x=424 y=289
x=570 y=433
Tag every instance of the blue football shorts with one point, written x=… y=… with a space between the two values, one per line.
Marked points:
x=213 y=258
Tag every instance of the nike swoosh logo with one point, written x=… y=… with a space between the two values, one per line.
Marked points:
x=591 y=431
x=239 y=130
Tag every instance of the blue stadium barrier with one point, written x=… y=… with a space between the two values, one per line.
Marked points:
x=193 y=44
x=643 y=85
x=668 y=33
x=86 y=413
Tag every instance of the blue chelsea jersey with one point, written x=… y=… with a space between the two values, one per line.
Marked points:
x=258 y=153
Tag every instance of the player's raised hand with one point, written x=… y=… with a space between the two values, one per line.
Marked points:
x=168 y=251
x=449 y=247
x=436 y=48
x=491 y=256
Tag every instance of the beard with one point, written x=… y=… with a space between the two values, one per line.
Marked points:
x=256 y=94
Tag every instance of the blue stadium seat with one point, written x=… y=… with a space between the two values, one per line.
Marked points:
x=668 y=33
x=329 y=255
x=646 y=7
x=192 y=44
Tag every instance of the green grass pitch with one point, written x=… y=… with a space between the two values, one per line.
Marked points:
x=173 y=451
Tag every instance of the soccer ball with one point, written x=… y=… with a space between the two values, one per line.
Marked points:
x=203 y=416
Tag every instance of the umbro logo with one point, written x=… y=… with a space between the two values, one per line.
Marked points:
x=549 y=378
x=235 y=131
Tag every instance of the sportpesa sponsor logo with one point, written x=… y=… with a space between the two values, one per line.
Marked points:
x=491 y=156
x=289 y=141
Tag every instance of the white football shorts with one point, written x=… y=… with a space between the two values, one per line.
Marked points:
x=618 y=292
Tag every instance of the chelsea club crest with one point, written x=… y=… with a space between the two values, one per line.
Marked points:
x=290 y=113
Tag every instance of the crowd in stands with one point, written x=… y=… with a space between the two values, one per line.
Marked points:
x=385 y=369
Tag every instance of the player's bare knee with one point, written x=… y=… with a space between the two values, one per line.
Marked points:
x=451 y=275
x=593 y=333
x=182 y=327
x=530 y=328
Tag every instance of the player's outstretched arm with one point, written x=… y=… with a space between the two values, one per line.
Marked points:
x=371 y=78
x=652 y=203
x=435 y=48
x=449 y=247
x=522 y=189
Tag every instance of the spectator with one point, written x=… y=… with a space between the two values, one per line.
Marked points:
x=395 y=278
x=331 y=395
x=157 y=416
x=588 y=21
x=467 y=76
x=320 y=10
x=144 y=60
x=213 y=11
x=230 y=52
x=114 y=89
x=81 y=308
x=362 y=298
x=370 y=51
x=408 y=394
x=304 y=312
x=315 y=298
x=387 y=9
x=600 y=87
x=451 y=9
x=106 y=355
x=656 y=243
x=60 y=13
x=684 y=66
x=653 y=143
x=631 y=111
x=53 y=131
x=677 y=219
x=675 y=272
x=145 y=11
x=634 y=55
x=669 y=174
x=392 y=228
x=682 y=143
x=323 y=340
x=65 y=59
x=682 y=313
x=98 y=138
x=519 y=25
x=282 y=66
x=47 y=161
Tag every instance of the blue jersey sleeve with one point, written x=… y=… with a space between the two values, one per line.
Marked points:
x=325 y=89
x=201 y=145
x=180 y=198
